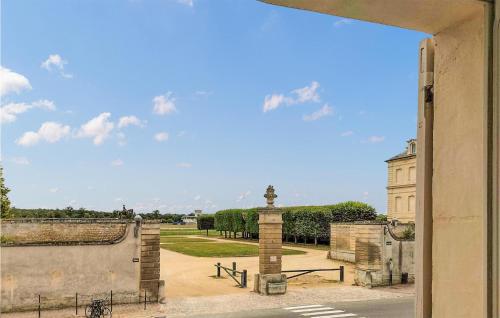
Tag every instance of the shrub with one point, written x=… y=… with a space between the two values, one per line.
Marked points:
x=381 y=218
x=352 y=211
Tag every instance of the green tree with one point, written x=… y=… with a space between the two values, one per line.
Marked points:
x=205 y=222
x=5 y=202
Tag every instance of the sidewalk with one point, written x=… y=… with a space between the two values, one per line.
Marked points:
x=190 y=306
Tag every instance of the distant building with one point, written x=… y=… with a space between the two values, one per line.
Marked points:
x=401 y=185
x=192 y=218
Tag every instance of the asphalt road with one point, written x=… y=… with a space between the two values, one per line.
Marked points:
x=386 y=308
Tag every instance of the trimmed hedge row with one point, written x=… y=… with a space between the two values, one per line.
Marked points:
x=305 y=222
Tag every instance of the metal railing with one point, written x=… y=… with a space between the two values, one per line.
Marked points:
x=308 y=271
x=233 y=273
x=82 y=302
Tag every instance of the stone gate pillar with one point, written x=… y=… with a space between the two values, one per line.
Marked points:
x=270 y=280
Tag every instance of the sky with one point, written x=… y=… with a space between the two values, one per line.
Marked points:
x=179 y=105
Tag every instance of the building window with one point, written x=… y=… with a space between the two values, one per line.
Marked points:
x=413 y=148
x=411 y=174
x=399 y=176
x=411 y=203
x=398 y=204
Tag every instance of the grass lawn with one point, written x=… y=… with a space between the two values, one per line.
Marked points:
x=206 y=248
x=183 y=239
x=168 y=232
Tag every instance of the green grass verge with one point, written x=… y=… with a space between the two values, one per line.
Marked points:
x=200 y=249
x=169 y=232
x=183 y=239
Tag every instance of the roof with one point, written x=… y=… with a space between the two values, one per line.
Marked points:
x=403 y=155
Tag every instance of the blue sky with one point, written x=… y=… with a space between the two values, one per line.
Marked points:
x=177 y=104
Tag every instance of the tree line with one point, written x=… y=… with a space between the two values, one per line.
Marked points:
x=299 y=223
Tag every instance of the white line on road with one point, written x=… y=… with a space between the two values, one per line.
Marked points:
x=336 y=316
x=312 y=309
x=323 y=312
x=299 y=307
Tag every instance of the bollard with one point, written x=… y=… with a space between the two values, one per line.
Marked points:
x=111 y=300
x=76 y=304
x=39 y=314
x=234 y=268
x=218 y=270
x=342 y=273
x=244 y=279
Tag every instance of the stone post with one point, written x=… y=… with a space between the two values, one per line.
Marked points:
x=270 y=280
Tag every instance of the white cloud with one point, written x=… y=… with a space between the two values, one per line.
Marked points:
x=197 y=198
x=117 y=163
x=347 y=133
x=322 y=112
x=130 y=121
x=20 y=161
x=97 y=128
x=9 y=112
x=181 y=133
x=161 y=136
x=118 y=199
x=342 y=22
x=12 y=82
x=302 y=95
x=54 y=190
x=308 y=93
x=50 y=132
x=164 y=104
x=185 y=165
x=376 y=139
x=274 y=101
x=189 y=3
x=243 y=196
x=55 y=61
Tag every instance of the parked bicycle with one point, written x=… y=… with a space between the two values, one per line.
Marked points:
x=98 y=308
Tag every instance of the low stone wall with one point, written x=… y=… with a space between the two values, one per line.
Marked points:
x=58 y=258
x=374 y=246
x=63 y=231
x=343 y=242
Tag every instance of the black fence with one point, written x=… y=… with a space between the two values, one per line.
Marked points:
x=84 y=304
x=308 y=271
x=233 y=273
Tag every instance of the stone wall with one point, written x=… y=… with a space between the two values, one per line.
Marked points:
x=150 y=258
x=343 y=242
x=370 y=246
x=63 y=231
x=58 y=258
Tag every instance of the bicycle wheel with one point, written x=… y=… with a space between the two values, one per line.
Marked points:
x=88 y=311
x=106 y=313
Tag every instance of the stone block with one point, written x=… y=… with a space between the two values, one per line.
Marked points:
x=270 y=284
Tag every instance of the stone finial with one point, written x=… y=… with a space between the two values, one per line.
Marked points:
x=270 y=196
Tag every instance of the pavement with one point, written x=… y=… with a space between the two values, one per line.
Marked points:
x=382 y=308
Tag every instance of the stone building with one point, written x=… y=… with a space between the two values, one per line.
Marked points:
x=401 y=184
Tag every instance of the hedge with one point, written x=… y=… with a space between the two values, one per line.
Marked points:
x=305 y=222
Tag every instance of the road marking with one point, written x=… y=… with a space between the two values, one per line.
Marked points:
x=311 y=309
x=319 y=311
x=323 y=312
x=300 y=307
x=336 y=316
